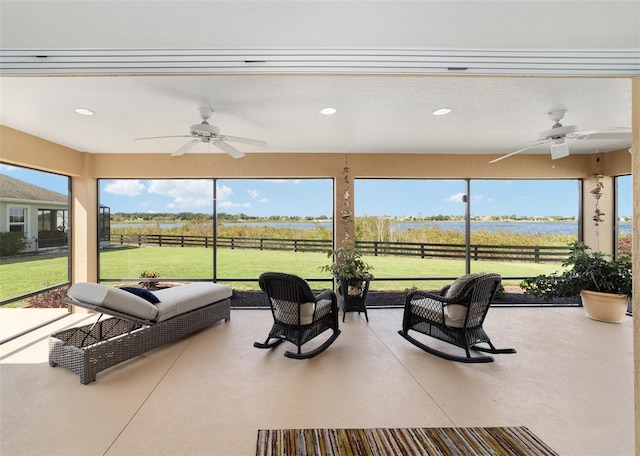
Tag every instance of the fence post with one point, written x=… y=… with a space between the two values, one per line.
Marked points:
x=537 y=255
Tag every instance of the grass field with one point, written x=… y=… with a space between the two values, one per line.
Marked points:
x=25 y=274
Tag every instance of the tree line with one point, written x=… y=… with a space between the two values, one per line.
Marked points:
x=123 y=217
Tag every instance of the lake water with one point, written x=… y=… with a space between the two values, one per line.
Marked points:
x=515 y=227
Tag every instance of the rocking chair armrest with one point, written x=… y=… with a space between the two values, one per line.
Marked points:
x=328 y=295
x=418 y=294
x=430 y=306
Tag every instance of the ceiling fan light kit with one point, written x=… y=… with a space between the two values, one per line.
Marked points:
x=559 y=149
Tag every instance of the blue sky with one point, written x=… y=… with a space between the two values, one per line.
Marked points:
x=313 y=197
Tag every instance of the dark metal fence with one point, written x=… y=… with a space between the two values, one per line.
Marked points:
x=527 y=253
x=535 y=254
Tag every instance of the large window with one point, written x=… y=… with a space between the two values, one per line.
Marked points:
x=624 y=220
x=159 y=228
x=32 y=277
x=53 y=219
x=522 y=226
x=167 y=229
x=282 y=225
x=53 y=227
x=420 y=225
x=440 y=229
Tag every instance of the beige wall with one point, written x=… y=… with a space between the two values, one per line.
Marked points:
x=18 y=148
x=26 y=150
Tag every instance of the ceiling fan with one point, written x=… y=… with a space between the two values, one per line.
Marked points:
x=206 y=133
x=558 y=134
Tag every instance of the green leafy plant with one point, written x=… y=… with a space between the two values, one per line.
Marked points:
x=410 y=289
x=149 y=285
x=347 y=264
x=12 y=243
x=501 y=293
x=586 y=270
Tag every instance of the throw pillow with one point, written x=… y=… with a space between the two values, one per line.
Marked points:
x=460 y=282
x=456 y=312
x=144 y=294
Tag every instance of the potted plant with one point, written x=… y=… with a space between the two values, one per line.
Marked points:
x=604 y=285
x=353 y=276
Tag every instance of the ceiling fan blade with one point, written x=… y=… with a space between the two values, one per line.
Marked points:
x=185 y=147
x=604 y=135
x=530 y=146
x=601 y=130
x=235 y=153
x=238 y=139
x=161 y=137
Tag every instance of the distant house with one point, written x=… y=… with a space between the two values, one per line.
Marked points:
x=41 y=214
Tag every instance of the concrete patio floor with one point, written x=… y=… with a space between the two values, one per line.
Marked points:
x=571 y=383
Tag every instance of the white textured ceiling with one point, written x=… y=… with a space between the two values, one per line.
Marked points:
x=378 y=110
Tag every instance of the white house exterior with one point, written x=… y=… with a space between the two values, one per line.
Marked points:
x=41 y=214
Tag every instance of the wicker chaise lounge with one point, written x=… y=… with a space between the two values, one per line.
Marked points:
x=137 y=325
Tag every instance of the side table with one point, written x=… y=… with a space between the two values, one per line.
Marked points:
x=354 y=301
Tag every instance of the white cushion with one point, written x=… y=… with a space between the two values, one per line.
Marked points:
x=184 y=298
x=285 y=311
x=173 y=300
x=113 y=298
x=456 y=313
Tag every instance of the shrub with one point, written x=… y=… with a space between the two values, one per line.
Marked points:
x=624 y=245
x=149 y=285
x=12 y=243
x=49 y=299
x=587 y=270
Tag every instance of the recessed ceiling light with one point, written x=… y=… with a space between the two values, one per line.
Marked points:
x=328 y=111
x=84 y=111
x=441 y=111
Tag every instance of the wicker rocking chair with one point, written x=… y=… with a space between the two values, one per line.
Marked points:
x=298 y=315
x=454 y=316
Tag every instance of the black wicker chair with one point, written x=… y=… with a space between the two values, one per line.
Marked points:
x=454 y=316
x=298 y=315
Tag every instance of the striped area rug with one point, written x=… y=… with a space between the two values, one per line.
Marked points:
x=490 y=441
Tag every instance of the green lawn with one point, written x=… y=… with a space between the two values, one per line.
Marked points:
x=19 y=276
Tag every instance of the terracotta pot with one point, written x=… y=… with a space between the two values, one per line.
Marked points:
x=607 y=307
